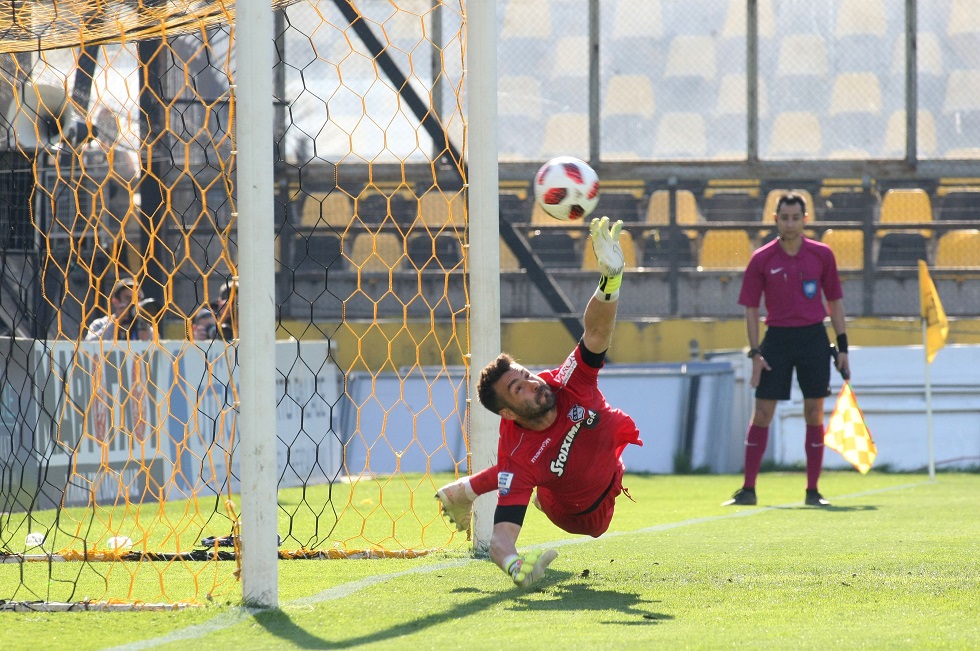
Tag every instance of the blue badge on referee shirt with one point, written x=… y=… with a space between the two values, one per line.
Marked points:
x=809 y=288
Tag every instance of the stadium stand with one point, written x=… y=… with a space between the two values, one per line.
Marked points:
x=508 y=261
x=430 y=251
x=519 y=114
x=618 y=205
x=958 y=205
x=658 y=210
x=860 y=33
x=842 y=200
x=555 y=249
x=854 y=119
x=961 y=108
x=636 y=40
x=589 y=262
x=904 y=206
x=901 y=249
x=377 y=252
x=925 y=134
x=958 y=249
x=801 y=82
x=526 y=34
x=659 y=246
x=627 y=115
x=848 y=248
x=725 y=250
x=327 y=209
x=316 y=252
x=566 y=134
x=795 y=134
x=513 y=208
x=689 y=83
x=437 y=208
x=681 y=135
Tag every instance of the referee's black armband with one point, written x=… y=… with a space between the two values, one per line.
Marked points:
x=595 y=360
x=513 y=514
x=842 y=342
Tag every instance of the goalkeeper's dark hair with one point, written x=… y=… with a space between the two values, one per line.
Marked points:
x=488 y=377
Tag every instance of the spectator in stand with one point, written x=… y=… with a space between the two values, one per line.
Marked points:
x=128 y=319
x=204 y=325
x=227 y=310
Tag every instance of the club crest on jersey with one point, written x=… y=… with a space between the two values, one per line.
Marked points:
x=809 y=288
x=504 y=480
x=576 y=414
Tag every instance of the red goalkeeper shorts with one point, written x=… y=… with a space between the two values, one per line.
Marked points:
x=592 y=522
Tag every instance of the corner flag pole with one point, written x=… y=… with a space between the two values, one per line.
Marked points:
x=925 y=351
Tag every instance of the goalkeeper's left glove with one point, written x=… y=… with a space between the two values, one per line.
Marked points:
x=527 y=569
x=609 y=255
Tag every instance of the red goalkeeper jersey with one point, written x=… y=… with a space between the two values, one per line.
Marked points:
x=576 y=458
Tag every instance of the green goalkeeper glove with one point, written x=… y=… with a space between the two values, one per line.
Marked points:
x=609 y=255
x=527 y=569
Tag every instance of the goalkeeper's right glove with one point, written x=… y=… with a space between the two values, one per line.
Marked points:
x=527 y=569
x=609 y=255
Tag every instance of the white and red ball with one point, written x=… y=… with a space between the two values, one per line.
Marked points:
x=566 y=188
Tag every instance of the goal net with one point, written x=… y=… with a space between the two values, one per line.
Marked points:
x=119 y=424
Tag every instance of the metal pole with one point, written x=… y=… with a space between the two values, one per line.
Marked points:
x=484 y=245
x=256 y=235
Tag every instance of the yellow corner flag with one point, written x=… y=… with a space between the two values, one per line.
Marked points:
x=848 y=434
x=937 y=327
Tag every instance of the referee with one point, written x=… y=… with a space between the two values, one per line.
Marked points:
x=795 y=273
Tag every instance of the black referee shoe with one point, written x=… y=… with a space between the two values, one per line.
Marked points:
x=742 y=497
x=814 y=498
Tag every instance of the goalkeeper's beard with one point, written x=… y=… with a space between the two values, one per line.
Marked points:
x=545 y=399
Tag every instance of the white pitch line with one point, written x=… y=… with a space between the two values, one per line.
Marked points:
x=238 y=615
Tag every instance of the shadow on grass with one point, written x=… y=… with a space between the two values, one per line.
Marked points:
x=560 y=593
x=832 y=508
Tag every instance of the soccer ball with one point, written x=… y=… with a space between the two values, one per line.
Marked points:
x=566 y=188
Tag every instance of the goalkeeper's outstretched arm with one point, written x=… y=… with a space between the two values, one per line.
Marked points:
x=523 y=569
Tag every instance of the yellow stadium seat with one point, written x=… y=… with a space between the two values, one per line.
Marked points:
x=725 y=250
x=442 y=208
x=904 y=206
x=731 y=96
x=691 y=56
x=848 y=248
x=961 y=94
x=925 y=132
x=861 y=18
x=802 y=54
x=524 y=19
x=963 y=18
x=638 y=19
x=377 y=252
x=856 y=92
x=735 y=20
x=571 y=57
x=508 y=261
x=796 y=133
x=681 y=135
x=959 y=249
x=566 y=134
x=327 y=209
x=629 y=95
x=658 y=210
x=519 y=96
x=589 y=262
x=928 y=55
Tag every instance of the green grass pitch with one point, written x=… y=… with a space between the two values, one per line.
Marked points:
x=894 y=564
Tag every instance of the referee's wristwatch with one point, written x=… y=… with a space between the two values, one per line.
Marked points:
x=753 y=352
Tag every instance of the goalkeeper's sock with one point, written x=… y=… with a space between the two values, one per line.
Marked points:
x=608 y=289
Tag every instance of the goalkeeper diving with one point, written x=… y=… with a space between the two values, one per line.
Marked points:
x=557 y=434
